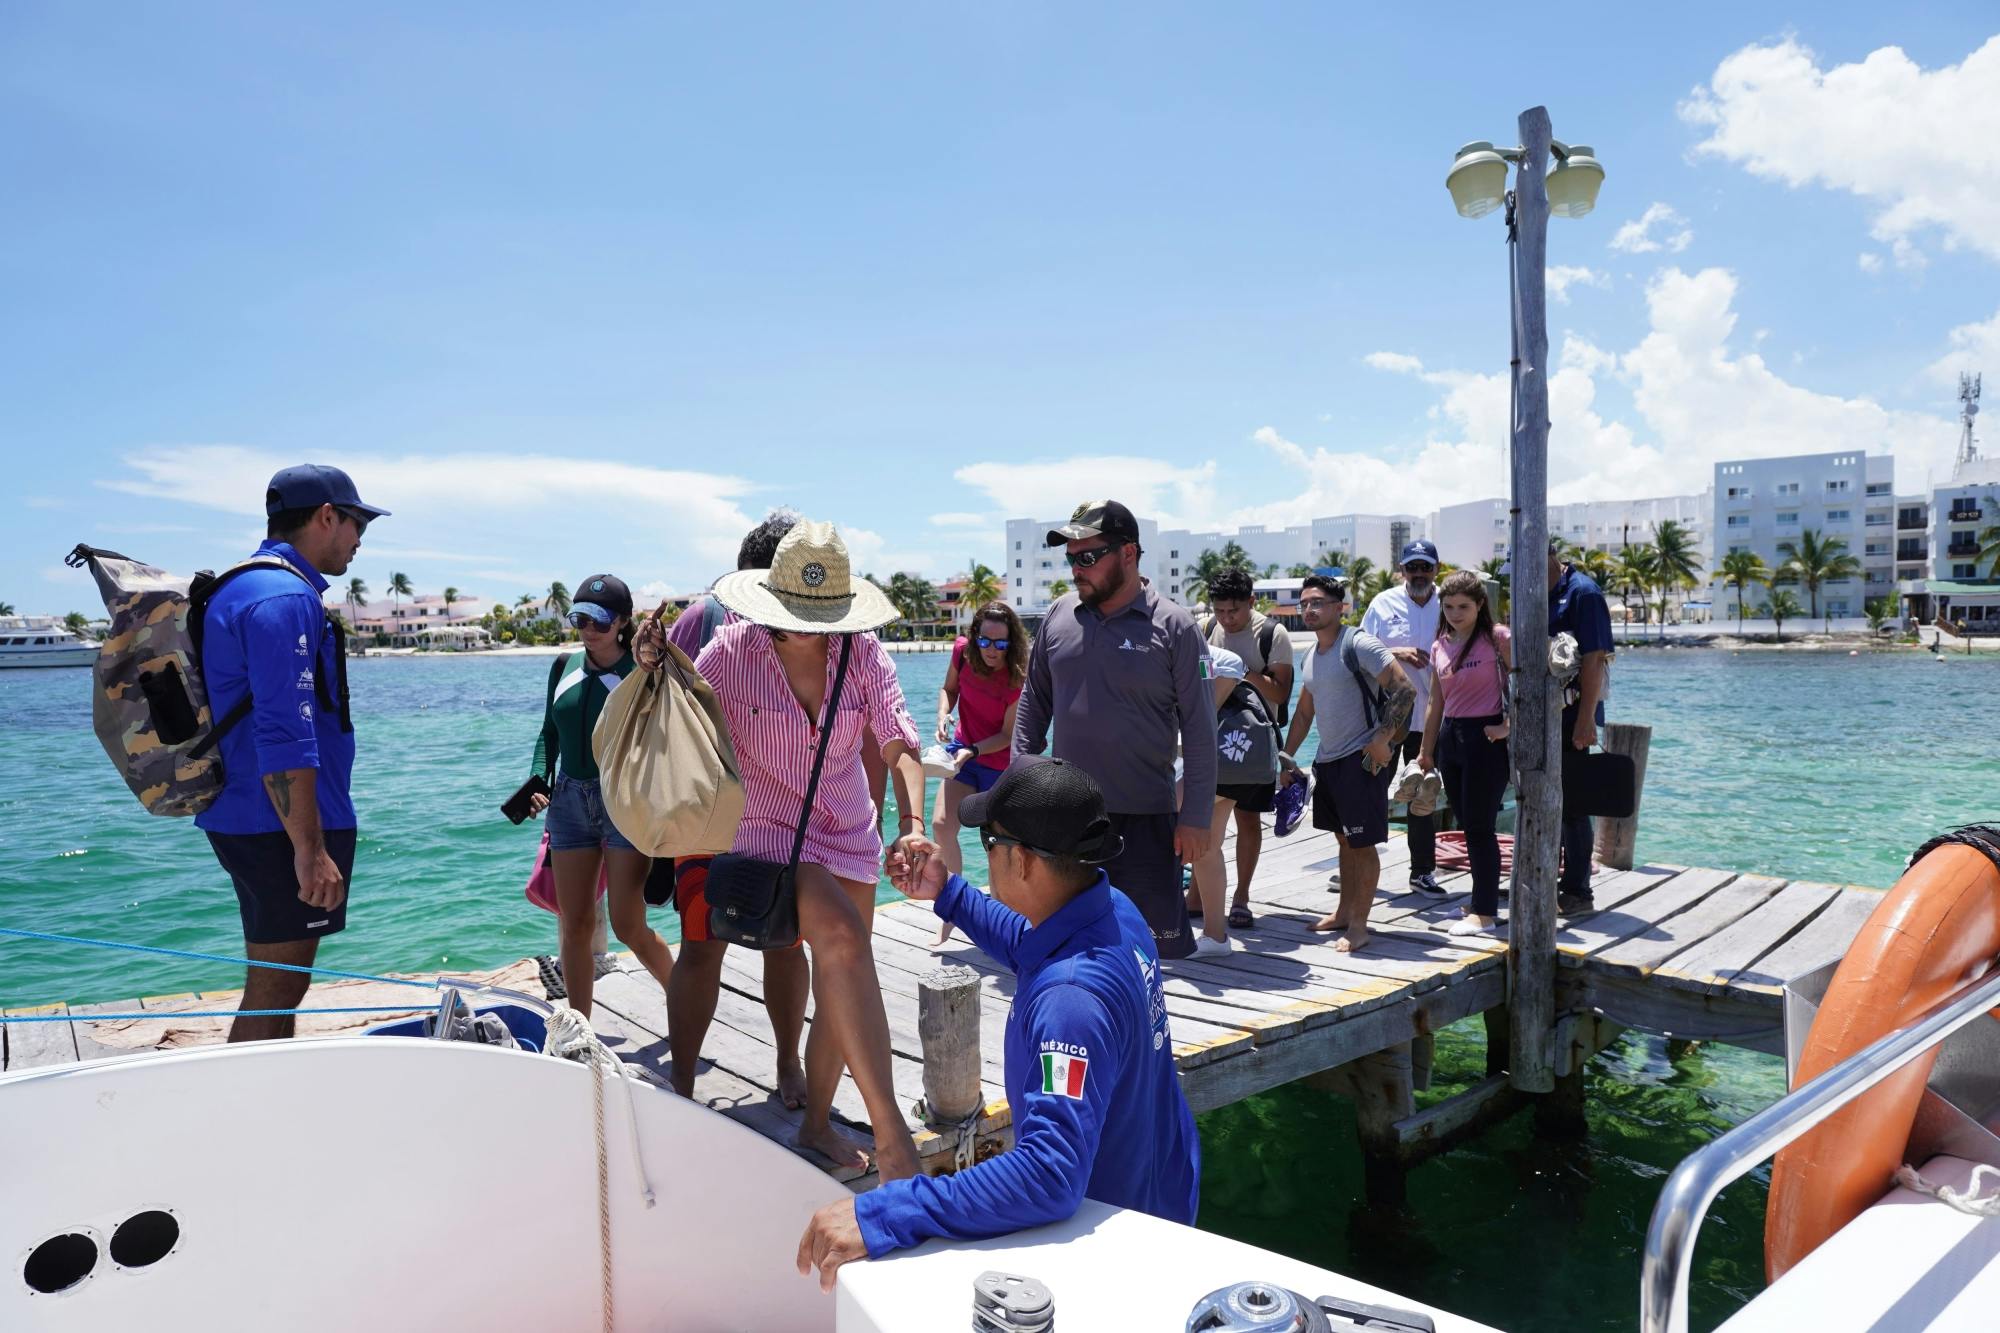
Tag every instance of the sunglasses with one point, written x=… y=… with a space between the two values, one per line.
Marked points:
x=356 y=517
x=584 y=620
x=1316 y=603
x=989 y=840
x=985 y=642
x=1420 y=567
x=1085 y=559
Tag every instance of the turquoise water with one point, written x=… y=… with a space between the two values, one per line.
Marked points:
x=1803 y=765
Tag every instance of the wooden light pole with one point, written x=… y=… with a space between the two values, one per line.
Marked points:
x=1531 y=941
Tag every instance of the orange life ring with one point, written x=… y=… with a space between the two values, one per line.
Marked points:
x=1936 y=930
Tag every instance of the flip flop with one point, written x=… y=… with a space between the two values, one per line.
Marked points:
x=1241 y=918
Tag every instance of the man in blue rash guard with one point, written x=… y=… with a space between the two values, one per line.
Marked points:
x=1087 y=1041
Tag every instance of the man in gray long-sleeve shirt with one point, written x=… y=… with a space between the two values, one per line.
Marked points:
x=1121 y=672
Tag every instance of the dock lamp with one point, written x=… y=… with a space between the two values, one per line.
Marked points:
x=1478 y=185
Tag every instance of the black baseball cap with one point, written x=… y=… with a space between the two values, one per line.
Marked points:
x=1049 y=804
x=1419 y=550
x=1097 y=518
x=602 y=597
x=310 y=485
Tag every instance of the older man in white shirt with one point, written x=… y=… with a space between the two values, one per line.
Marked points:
x=1405 y=619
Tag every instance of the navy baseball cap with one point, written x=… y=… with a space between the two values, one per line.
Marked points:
x=1049 y=804
x=310 y=485
x=602 y=597
x=1419 y=550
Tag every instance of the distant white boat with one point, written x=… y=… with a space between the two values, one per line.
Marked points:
x=41 y=641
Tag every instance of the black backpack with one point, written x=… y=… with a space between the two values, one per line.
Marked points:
x=1373 y=696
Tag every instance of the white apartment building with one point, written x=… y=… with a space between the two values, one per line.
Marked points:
x=1761 y=502
x=403 y=621
x=1913 y=537
x=1170 y=553
x=1470 y=534
x=1957 y=588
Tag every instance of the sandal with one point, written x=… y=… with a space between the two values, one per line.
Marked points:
x=1241 y=918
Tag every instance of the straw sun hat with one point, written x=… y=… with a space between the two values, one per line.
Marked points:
x=809 y=588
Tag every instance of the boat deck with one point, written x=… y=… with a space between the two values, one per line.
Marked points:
x=1686 y=951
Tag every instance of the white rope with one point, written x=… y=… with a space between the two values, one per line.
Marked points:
x=570 y=1038
x=965 y=1131
x=1970 y=1200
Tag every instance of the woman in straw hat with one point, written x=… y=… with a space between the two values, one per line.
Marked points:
x=773 y=672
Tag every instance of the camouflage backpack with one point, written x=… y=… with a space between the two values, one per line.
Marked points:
x=150 y=708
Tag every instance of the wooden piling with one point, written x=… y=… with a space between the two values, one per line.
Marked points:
x=1531 y=948
x=948 y=1027
x=1616 y=838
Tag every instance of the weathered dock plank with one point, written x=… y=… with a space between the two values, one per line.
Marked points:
x=1823 y=939
x=1727 y=958
x=40 y=1045
x=1676 y=931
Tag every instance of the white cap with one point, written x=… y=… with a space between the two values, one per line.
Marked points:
x=1226 y=665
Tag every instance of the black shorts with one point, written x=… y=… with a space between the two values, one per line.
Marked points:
x=1148 y=872
x=1351 y=801
x=267 y=885
x=1257 y=797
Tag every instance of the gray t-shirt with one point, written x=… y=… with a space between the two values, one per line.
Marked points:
x=1338 y=711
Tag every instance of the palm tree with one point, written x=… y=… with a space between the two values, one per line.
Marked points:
x=1738 y=569
x=1271 y=570
x=1814 y=560
x=1878 y=610
x=1059 y=587
x=1358 y=569
x=1783 y=607
x=357 y=594
x=6 y=608
x=1603 y=570
x=982 y=585
x=1635 y=572
x=399 y=588
x=1194 y=588
x=1677 y=564
x=1299 y=571
x=1496 y=570
x=450 y=596
x=1236 y=557
x=557 y=599
x=525 y=599
x=77 y=623
x=1989 y=551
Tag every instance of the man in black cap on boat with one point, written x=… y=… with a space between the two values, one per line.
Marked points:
x=1087 y=1042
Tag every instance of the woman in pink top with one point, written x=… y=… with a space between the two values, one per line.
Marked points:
x=1465 y=734
x=984 y=683
x=773 y=672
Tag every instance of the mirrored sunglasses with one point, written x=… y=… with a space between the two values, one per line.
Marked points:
x=985 y=642
x=584 y=620
x=1085 y=559
x=356 y=517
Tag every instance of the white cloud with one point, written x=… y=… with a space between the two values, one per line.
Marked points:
x=1175 y=496
x=1636 y=237
x=1870 y=261
x=1922 y=145
x=1562 y=277
x=44 y=502
x=687 y=523
x=1975 y=348
x=960 y=519
x=1394 y=361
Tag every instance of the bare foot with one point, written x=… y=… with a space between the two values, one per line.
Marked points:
x=1354 y=941
x=683 y=1084
x=897 y=1160
x=834 y=1143
x=1330 y=922
x=791 y=1084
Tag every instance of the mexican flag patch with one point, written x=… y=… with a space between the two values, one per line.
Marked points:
x=1062 y=1075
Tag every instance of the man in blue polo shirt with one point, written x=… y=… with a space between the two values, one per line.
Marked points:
x=1087 y=1041
x=283 y=826
x=1577 y=607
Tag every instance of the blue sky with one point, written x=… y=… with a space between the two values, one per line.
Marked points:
x=580 y=290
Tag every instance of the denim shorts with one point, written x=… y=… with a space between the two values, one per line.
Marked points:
x=576 y=817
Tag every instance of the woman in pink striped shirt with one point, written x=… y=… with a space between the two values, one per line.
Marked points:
x=773 y=672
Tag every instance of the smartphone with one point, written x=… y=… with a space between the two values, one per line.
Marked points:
x=518 y=806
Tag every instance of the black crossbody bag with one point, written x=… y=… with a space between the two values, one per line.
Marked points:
x=754 y=902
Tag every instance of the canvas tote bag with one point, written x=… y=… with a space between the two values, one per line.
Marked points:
x=665 y=764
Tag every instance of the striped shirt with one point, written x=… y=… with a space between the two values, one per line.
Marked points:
x=774 y=743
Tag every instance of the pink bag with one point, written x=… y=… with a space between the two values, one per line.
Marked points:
x=542 y=882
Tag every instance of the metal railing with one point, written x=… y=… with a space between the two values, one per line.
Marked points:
x=1684 y=1203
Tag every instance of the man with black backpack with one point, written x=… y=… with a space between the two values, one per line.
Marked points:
x=283 y=825
x=1363 y=703
x=1266 y=649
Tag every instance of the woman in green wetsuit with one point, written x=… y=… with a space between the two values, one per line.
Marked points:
x=580 y=832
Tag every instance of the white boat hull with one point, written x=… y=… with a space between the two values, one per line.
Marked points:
x=64 y=655
x=382 y=1183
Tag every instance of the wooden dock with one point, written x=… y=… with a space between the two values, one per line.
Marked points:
x=1685 y=951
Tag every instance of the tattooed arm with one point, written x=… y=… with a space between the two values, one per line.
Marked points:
x=1399 y=701
x=294 y=795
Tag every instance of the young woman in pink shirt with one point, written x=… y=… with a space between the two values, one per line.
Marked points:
x=1465 y=734
x=983 y=682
